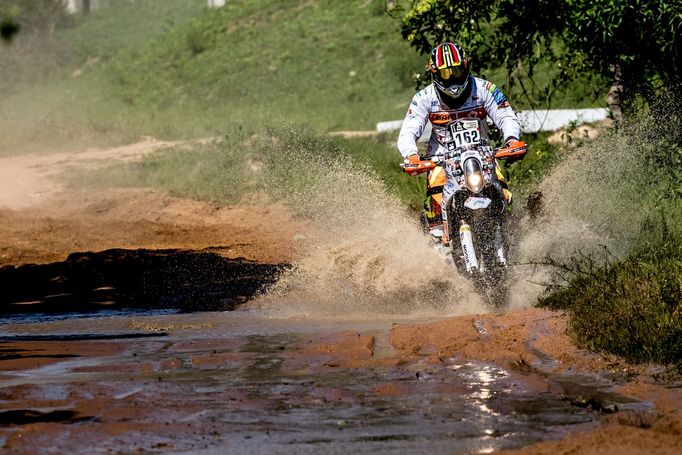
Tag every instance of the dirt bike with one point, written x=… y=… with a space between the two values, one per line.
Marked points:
x=477 y=209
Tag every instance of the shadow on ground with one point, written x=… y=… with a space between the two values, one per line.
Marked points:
x=139 y=279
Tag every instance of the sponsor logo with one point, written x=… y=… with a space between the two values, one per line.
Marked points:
x=498 y=96
x=465 y=250
x=443 y=117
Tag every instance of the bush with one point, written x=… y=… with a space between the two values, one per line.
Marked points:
x=631 y=307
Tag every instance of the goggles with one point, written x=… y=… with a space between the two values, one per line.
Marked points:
x=452 y=72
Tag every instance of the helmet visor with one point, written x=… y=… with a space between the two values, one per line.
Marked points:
x=452 y=75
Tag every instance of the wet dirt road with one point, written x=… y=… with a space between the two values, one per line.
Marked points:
x=221 y=382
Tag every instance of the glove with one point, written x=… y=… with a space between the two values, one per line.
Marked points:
x=511 y=143
x=412 y=159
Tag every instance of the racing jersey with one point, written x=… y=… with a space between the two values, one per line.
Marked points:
x=484 y=99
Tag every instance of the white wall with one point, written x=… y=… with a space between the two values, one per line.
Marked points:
x=554 y=119
x=531 y=121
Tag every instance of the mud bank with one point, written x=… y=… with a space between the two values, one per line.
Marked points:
x=533 y=345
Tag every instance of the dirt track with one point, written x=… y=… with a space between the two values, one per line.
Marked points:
x=44 y=222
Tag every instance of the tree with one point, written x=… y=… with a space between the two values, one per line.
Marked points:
x=636 y=43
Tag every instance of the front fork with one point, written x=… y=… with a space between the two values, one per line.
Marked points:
x=466 y=241
x=469 y=253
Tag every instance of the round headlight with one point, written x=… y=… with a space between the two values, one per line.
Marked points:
x=473 y=175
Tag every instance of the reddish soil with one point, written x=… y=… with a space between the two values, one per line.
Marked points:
x=44 y=222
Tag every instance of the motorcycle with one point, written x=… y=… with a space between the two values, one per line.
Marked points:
x=477 y=208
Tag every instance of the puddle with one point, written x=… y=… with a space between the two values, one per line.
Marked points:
x=244 y=382
x=133 y=279
x=145 y=372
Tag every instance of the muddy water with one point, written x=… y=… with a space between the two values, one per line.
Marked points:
x=216 y=382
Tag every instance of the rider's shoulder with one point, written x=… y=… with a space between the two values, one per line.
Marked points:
x=425 y=93
x=486 y=86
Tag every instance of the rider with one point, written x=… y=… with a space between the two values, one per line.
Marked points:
x=453 y=94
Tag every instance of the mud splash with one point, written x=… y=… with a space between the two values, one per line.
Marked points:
x=597 y=202
x=364 y=254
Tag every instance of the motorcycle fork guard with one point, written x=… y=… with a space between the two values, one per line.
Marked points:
x=489 y=250
x=466 y=242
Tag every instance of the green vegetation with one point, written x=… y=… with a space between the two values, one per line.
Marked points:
x=243 y=166
x=525 y=175
x=174 y=69
x=631 y=307
x=196 y=72
x=633 y=43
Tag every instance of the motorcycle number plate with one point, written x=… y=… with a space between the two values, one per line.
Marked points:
x=464 y=133
x=476 y=203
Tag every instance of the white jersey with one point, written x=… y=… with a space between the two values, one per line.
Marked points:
x=485 y=99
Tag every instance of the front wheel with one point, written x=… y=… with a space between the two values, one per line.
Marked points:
x=491 y=281
x=493 y=284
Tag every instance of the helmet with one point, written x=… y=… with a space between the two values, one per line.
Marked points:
x=449 y=68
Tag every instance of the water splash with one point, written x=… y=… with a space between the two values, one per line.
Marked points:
x=364 y=254
x=597 y=199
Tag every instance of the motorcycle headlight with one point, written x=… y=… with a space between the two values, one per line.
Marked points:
x=473 y=175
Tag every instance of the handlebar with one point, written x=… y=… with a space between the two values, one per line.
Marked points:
x=516 y=150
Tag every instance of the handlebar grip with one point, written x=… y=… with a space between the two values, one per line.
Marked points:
x=418 y=168
x=517 y=149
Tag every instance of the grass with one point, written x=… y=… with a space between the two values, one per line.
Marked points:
x=525 y=175
x=48 y=95
x=175 y=69
x=244 y=163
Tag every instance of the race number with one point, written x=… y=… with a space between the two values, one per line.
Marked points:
x=464 y=132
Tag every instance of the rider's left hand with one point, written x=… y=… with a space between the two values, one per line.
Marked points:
x=513 y=142
x=412 y=159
